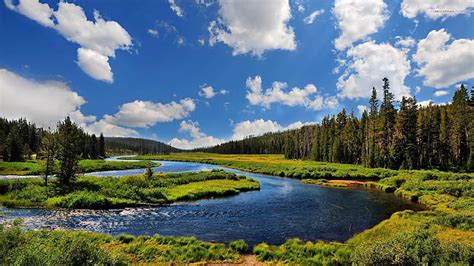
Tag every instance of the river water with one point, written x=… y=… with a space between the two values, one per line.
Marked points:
x=282 y=209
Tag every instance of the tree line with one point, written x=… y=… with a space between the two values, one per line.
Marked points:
x=20 y=140
x=410 y=137
x=137 y=146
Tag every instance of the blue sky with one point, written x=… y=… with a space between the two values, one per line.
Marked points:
x=196 y=73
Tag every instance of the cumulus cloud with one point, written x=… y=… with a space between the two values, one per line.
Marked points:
x=357 y=19
x=109 y=130
x=362 y=109
x=369 y=63
x=253 y=26
x=435 y=9
x=153 y=32
x=176 y=9
x=405 y=42
x=98 y=39
x=47 y=102
x=306 y=96
x=42 y=102
x=442 y=64
x=312 y=17
x=440 y=93
x=198 y=138
x=146 y=113
x=95 y=64
x=259 y=127
x=208 y=92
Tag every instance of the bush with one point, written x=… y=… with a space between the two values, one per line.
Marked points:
x=413 y=248
x=125 y=238
x=239 y=246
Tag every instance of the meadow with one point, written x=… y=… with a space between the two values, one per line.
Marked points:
x=128 y=191
x=36 y=167
x=61 y=247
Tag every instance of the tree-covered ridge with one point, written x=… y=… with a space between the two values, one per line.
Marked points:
x=137 y=145
x=412 y=137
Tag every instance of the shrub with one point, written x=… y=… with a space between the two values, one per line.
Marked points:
x=239 y=246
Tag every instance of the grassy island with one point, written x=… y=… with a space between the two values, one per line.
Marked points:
x=110 y=192
x=36 y=167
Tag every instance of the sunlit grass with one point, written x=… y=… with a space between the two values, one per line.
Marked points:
x=36 y=167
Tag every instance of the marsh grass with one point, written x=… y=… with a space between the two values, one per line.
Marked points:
x=61 y=247
x=109 y=192
x=36 y=167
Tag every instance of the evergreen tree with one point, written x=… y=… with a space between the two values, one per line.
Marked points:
x=48 y=151
x=372 y=137
x=69 y=149
x=93 y=147
x=102 y=146
x=14 y=147
x=387 y=123
x=459 y=136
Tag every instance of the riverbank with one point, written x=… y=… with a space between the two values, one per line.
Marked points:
x=36 y=167
x=61 y=247
x=442 y=234
x=129 y=191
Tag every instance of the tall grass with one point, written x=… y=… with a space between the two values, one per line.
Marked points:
x=110 y=192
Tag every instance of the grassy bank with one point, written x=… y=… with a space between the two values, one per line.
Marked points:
x=35 y=167
x=441 y=234
x=61 y=247
x=109 y=192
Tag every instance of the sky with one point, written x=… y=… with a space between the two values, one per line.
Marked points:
x=200 y=72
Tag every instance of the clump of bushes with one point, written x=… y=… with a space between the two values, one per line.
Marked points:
x=411 y=248
x=239 y=246
x=295 y=251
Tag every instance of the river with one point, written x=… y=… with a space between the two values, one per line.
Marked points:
x=282 y=209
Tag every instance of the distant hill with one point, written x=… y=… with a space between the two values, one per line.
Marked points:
x=137 y=145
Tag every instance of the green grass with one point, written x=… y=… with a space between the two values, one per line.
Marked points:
x=35 y=167
x=61 y=247
x=109 y=192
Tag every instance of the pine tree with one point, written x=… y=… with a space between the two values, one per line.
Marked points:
x=14 y=147
x=93 y=147
x=101 y=146
x=69 y=149
x=49 y=148
x=372 y=138
x=387 y=123
x=459 y=136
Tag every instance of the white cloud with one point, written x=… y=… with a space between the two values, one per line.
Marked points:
x=176 y=9
x=145 y=113
x=294 y=97
x=99 y=36
x=300 y=8
x=198 y=139
x=95 y=64
x=357 y=19
x=209 y=92
x=369 y=64
x=442 y=64
x=312 y=17
x=34 y=10
x=42 y=102
x=153 y=32
x=417 y=89
x=253 y=26
x=435 y=9
x=201 y=41
x=109 y=130
x=361 y=108
x=259 y=127
x=405 y=41
x=440 y=93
